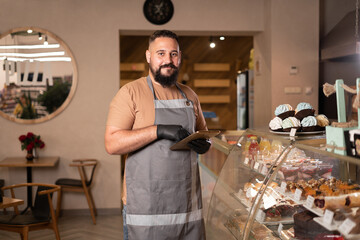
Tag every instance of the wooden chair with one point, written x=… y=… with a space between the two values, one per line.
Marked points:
x=80 y=185
x=40 y=216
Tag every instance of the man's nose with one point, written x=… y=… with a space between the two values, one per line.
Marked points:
x=168 y=58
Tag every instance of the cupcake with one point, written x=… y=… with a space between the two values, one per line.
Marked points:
x=275 y=124
x=308 y=124
x=284 y=111
x=289 y=123
x=303 y=110
x=322 y=122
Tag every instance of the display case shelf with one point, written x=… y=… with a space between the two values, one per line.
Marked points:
x=248 y=202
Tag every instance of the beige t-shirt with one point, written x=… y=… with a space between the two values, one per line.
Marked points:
x=133 y=107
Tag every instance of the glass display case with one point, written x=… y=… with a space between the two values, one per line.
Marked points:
x=276 y=187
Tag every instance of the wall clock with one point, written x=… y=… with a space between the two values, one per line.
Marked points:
x=158 y=11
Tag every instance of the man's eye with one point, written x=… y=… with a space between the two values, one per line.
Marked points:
x=161 y=54
x=174 y=54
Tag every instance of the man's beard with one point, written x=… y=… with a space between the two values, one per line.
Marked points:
x=166 y=81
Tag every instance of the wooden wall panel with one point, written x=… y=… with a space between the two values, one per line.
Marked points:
x=137 y=67
x=211 y=67
x=214 y=98
x=125 y=81
x=201 y=83
x=234 y=53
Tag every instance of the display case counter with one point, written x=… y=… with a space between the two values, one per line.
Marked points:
x=274 y=187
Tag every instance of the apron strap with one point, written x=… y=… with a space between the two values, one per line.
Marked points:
x=148 y=79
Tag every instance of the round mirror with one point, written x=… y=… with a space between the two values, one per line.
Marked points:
x=38 y=75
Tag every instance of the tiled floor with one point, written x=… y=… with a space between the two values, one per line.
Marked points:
x=108 y=227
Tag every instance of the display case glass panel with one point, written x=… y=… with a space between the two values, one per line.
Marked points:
x=273 y=187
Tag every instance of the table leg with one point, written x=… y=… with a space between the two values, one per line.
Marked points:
x=29 y=188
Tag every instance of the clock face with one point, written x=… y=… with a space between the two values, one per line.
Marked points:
x=158 y=11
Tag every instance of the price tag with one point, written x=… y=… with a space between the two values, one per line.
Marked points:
x=250 y=193
x=309 y=201
x=347 y=226
x=293 y=132
x=269 y=201
x=260 y=216
x=280 y=228
x=246 y=161
x=256 y=166
x=328 y=217
x=297 y=195
x=283 y=187
x=264 y=170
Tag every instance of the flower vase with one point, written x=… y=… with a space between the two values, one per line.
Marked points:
x=35 y=153
x=29 y=155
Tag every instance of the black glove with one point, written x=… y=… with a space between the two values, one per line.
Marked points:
x=171 y=132
x=200 y=145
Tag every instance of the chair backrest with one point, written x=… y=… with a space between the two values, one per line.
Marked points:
x=41 y=208
x=81 y=164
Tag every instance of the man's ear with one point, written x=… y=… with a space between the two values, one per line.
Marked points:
x=179 y=58
x=147 y=54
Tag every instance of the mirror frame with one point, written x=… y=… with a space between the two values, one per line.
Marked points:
x=73 y=85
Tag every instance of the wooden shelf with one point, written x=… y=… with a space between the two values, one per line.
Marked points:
x=218 y=83
x=137 y=67
x=224 y=67
x=214 y=98
x=125 y=81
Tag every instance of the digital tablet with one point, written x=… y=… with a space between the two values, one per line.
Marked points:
x=182 y=145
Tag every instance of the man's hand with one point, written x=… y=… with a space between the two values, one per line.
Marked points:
x=171 y=132
x=200 y=146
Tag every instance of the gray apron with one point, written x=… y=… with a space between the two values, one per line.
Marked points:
x=163 y=186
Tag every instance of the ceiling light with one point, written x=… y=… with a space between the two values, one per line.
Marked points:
x=30 y=46
x=222 y=38
x=212 y=43
x=29 y=31
x=54 y=59
x=40 y=36
x=44 y=54
x=46 y=42
x=47 y=59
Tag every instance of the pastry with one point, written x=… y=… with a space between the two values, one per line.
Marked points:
x=338 y=202
x=247 y=186
x=322 y=122
x=289 y=123
x=284 y=111
x=275 y=124
x=272 y=214
x=306 y=228
x=308 y=124
x=303 y=110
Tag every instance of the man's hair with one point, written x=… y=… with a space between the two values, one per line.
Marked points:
x=163 y=33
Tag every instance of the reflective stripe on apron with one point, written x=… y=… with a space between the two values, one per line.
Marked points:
x=163 y=186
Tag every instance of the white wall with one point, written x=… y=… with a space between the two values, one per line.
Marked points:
x=91 y=30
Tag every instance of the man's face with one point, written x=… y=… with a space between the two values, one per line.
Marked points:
x=164 y=59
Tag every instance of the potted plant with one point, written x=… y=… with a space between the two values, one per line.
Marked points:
x=30 y=142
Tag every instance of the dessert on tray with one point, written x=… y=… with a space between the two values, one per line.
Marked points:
x=284 y=111
x=303 y=110
x=303 y=118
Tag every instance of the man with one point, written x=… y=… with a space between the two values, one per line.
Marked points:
x=162 y=192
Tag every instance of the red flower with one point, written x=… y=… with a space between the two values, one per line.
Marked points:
x=30 y=135
x=30 y=146
x=31 y=141
x=22 y=138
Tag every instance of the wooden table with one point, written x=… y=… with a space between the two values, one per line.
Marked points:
x=22 y=162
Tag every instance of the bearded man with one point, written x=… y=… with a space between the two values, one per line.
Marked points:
x=161 y=191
